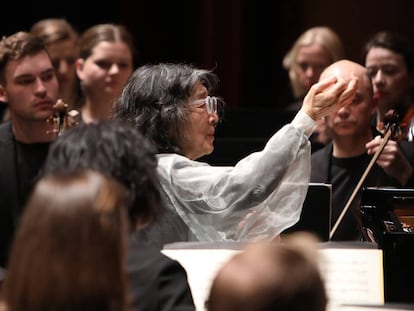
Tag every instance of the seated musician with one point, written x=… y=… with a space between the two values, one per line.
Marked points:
x=344 y=160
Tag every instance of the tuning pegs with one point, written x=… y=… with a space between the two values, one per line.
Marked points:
x=60 y=108
x=392 y=121
x=391 y=116
x=62 y=119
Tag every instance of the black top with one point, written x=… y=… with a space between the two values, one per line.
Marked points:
x=344 y=175
x=19 y=166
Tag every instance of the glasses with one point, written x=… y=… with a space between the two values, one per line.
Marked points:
x=210 y=102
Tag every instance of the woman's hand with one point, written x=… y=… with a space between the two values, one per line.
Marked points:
x=391 y=159
x=329 y=95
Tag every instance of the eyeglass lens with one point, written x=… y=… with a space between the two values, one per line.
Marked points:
x=211 y=103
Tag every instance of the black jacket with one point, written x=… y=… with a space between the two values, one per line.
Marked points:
x=157 y=282
x=19 y=167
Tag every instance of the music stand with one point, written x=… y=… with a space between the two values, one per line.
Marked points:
x=316 y=212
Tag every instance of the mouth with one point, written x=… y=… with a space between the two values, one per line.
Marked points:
x=378 y=95
x=44 y=105
x=344 y=123
x=211 y=137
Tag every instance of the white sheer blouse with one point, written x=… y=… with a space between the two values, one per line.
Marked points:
x=257 y=198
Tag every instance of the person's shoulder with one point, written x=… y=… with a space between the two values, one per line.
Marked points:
x=324 y=150
x=156 y=279
x=171 y=157
x=5 y=131
x=176 y=161
x=321 y=154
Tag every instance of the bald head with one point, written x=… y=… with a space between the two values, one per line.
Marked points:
x=347 y=69
x=351 y=126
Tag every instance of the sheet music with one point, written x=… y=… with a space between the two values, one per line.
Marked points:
x=352 y=276
x=201 y=266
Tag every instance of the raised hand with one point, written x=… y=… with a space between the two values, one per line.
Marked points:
x=329 y=95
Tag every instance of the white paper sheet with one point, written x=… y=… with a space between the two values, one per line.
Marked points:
x=352 y=276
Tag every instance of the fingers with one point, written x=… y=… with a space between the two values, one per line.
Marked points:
x=343 y=93
x=373 y=145
x=390 y=156
x=391 y=159
x=396 y=165
x=323 y=84
x=325 y=96
x=348 y=94
x=337 y=88
x=391 y=148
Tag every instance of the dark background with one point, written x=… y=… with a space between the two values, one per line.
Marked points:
x=244 y=41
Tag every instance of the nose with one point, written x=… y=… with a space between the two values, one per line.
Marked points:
x=114 y=69
x=310 y=72
x=40 y=88
x=343 y=111
x=379 y=78
x=63 y=67
x=213 y=118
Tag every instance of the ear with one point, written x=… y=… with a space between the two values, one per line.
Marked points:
x=3 y=94
x=79 y=67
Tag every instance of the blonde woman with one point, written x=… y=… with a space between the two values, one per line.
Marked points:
x=311 y=53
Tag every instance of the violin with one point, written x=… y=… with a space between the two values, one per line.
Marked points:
x=62 y=119
x=392 y=118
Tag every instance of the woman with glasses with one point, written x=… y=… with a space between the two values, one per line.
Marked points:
x=175 y=107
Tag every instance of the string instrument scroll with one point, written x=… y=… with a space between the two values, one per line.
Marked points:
x=392 y=129
x=62 y=119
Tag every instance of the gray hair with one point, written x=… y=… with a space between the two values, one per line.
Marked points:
x=155 y=100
